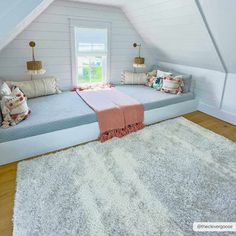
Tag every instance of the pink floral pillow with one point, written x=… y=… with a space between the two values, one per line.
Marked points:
x=172 y=84
x=14 y=108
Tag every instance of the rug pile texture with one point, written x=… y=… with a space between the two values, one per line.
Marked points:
x=157 y=181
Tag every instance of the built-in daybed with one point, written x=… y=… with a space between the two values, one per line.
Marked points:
x=63 y=120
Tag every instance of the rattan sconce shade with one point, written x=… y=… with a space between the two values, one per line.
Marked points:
x=138 y=60
x=34 y=65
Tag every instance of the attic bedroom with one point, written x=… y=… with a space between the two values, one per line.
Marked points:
x=117 y=117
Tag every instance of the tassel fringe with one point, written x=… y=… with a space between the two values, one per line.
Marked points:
x=120 y=132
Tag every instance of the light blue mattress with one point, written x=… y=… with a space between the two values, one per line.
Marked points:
x=67 y=110
x=152 y=99
x=51 y=113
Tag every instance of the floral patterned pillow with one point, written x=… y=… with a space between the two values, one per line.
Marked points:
x=157 y=84
x=172 y=84
x=155 y=78
x=14 y=108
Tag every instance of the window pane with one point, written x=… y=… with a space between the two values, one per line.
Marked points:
x=91 y=44
x=86 y=47
x=90 y=69
x=91 y=40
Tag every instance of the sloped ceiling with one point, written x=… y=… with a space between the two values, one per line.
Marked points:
x=16 y=15
x=174 y=29
x=221 y=18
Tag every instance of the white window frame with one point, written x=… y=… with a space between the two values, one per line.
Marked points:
x=88 y=23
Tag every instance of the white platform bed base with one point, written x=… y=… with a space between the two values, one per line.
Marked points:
x=36 y=145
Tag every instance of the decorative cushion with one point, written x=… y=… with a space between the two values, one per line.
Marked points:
x=155 y=77
x=133 y=78
x=4 y=90
x=37 y=88
x=162 y=74
x=150 y=81
x=151 y=76
x=14 y=108
x=157 y=83
x=152 y=73
x=171 y=84
x=187 y=79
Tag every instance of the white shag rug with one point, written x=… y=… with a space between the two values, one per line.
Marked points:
x=157 y=181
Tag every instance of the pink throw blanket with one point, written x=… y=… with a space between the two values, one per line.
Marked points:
x=117 y=113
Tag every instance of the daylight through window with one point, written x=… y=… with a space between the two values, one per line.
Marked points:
x=91 y=53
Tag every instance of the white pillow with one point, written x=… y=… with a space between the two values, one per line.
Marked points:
x=162 y=74
x=4 y=90
x=38 y=87
x=133 y=78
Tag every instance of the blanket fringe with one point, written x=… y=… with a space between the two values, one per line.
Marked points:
x=120 y=132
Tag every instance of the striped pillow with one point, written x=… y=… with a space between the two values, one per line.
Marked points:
x=172 y=84
x=37 y=88
x=133 y=78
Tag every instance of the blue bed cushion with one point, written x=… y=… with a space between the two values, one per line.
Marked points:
x=152 y=99
x=51 y=113
x=67 y=110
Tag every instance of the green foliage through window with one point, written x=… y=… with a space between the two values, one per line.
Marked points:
x=90 y=69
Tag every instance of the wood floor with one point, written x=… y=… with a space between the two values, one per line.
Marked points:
x=8 y=172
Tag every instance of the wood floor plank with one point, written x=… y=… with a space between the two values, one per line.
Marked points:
x=8 y=172
x=7 y=193
x=209 y=122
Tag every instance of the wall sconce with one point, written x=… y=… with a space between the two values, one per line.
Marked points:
x=34 y=67
x=138 y=60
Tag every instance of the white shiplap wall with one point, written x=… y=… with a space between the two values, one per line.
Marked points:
x=51 y=31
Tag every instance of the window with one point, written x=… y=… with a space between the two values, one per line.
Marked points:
x=91 y=52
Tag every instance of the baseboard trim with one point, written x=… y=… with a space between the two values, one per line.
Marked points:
x=221 y=114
